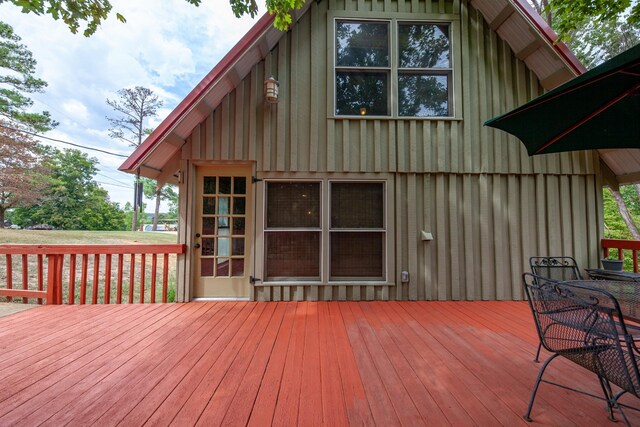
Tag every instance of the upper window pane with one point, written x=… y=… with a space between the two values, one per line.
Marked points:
x=424 y=46
x=423 y=95
x=293 y=204
x=362 y=44
x=357 y=205
x=362 y=94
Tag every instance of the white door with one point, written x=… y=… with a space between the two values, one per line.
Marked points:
x=222 y=240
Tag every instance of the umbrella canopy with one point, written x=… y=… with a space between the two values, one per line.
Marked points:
x=598 y=109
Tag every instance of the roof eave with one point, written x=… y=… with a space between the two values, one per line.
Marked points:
x=136 y=159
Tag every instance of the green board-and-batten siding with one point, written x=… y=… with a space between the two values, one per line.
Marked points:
x=488 y=205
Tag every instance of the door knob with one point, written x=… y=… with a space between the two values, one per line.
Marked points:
x=196 y=246
x=197 y=235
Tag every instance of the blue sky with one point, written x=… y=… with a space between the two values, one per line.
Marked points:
x=167 y=46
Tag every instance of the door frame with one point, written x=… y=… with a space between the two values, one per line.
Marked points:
x=198 y=167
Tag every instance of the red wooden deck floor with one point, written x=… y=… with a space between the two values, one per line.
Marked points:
x=258 y=364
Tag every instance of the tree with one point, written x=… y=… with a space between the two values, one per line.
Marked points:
x=568 y=16
x=135 y=106
x=23 y=177
x=166 y=192
x=17 y=68
x=597 y=30
x=94 y=12
x=74 y=200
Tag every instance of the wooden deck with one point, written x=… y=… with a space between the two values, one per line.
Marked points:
x=245 y=363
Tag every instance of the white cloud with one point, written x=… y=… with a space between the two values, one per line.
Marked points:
x=76 y=109
x=167 y=46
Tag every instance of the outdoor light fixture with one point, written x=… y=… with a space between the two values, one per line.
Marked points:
x=271 y=90
x=363 y=111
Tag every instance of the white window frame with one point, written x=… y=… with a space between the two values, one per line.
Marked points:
x=455 y=83
x=389 y=235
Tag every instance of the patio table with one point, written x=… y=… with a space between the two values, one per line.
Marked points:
x=600 y=274
x=627 y=293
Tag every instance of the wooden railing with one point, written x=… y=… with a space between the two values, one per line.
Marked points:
x=621 y=246
x=115 y=270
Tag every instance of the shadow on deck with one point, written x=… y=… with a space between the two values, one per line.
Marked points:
x=246 y=363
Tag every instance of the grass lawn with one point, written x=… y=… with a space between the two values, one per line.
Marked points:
x=50 y=237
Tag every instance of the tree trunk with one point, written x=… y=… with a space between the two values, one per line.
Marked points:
x=626 y=216
x=157 y=212
x=2 y=209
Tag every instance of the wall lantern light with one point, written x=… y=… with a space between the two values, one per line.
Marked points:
x=363 y=111
x=271 y=90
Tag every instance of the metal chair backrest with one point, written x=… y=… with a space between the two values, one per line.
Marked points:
x=558 y=268
x=586 y=326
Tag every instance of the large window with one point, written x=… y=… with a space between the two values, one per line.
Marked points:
x=293 y=231
x=409 y=77
x=351 y=243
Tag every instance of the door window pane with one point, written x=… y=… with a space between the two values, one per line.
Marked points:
x=223 y=206
x=357 y=255
x=237 y=267
x=422 y=95
x=208 y=247
x=206 y=267
x=423 y=46
x=208 y=225
x=357 y=205
x=362 y=44
x=291 y=255
x=239 y=205
x=223 y=246
x=293 y=204
x=225 y=185
x=362 y=93
x=208 y=205
x=222 y=267
x=238 y=226
x=239 y=185
x=209 y=185
x=237 y=248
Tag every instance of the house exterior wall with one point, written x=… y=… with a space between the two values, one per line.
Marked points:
x=487 y=204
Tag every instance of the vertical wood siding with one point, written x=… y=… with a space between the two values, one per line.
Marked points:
x=488 y=205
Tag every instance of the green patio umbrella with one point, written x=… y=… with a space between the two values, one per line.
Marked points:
x=598 y=109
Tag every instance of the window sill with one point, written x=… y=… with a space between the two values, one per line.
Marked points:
x=269 y=284
x=388 y=118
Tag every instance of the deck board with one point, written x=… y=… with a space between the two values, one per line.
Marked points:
x=285 y=363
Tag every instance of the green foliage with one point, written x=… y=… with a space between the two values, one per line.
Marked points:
x=94 y=12
x=17 y=69
x=72 y=12
x=280 y=8
x=614 y=226
x=595 y=43
x=570 y=15
x=74 y=201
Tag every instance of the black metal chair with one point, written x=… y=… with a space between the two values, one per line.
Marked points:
x=586 y=326
x=556 y=268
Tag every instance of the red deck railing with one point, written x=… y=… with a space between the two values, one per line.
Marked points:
x=622 y=246
x=115 y=270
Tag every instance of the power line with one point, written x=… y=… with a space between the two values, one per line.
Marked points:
x=113 y=179
x=113 y=185
x=65 y=142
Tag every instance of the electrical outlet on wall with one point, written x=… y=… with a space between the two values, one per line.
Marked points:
x=404 y=277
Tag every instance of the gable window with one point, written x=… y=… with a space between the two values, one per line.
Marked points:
x=392 y=68
x=352 y=242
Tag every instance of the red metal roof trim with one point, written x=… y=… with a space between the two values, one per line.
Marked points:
x=546 y=31
x=197 y=93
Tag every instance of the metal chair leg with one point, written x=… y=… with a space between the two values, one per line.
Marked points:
x=608 y=395
x=537 y=359
x=527 y=416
